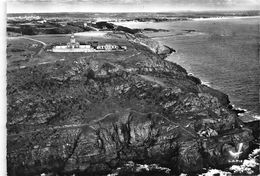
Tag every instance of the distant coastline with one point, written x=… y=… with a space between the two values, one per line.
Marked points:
x=143 y=17
x=226 y=17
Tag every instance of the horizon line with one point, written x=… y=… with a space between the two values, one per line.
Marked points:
x=177 y=11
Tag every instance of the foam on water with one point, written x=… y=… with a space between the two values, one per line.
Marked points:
x=203 y=82
x=239 y=109
x=256 y=116
x=206 y=83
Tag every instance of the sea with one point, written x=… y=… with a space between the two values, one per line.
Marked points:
x=222 y=52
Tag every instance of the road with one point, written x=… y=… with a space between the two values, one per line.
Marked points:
x=35 y=40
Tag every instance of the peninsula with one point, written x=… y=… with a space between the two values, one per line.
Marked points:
x=98 y=113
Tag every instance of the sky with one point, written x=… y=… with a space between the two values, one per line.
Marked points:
x=31 y=6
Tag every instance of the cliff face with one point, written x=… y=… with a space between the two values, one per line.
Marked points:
x=92 y=116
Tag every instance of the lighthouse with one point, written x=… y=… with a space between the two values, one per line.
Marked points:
x=72 y=39
x=73 y=44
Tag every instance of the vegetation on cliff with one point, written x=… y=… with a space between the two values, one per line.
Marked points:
x=91 y=114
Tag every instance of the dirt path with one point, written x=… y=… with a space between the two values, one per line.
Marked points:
x=44 y=44
x=35 y=40
x=153 y=79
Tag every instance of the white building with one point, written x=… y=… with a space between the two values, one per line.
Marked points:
x=74 y=46
x=107 y=47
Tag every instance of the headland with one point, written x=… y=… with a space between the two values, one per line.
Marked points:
x=92 y=113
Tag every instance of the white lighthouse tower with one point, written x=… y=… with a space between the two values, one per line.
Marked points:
x=73 y=44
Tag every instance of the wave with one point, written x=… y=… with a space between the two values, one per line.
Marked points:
x=239 y=109
x=206 y=83
x=249 y=116
x=203 y=82
x=257 y=117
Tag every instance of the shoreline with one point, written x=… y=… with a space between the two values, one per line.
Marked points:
x=248 y=118
x=238 y=110
x=187 y=19
x=224 y=18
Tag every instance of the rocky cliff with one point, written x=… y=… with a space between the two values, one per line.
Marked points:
x=91 y=116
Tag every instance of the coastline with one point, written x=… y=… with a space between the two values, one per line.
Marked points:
x=248 y=123
x=248 y=118
x=164 y=51
x=236 y=89
x=134 y=22
x=238 y=110
x=167 y=51
x=225 y=18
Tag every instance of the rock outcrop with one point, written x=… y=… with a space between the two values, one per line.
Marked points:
x=92 y=116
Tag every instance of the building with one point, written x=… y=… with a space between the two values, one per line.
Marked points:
x=74 y=46
x=107 y=47
x=73 y=43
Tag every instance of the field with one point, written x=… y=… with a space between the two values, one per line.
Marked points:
x=20 y=51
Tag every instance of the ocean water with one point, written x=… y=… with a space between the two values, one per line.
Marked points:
x=223 y=53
